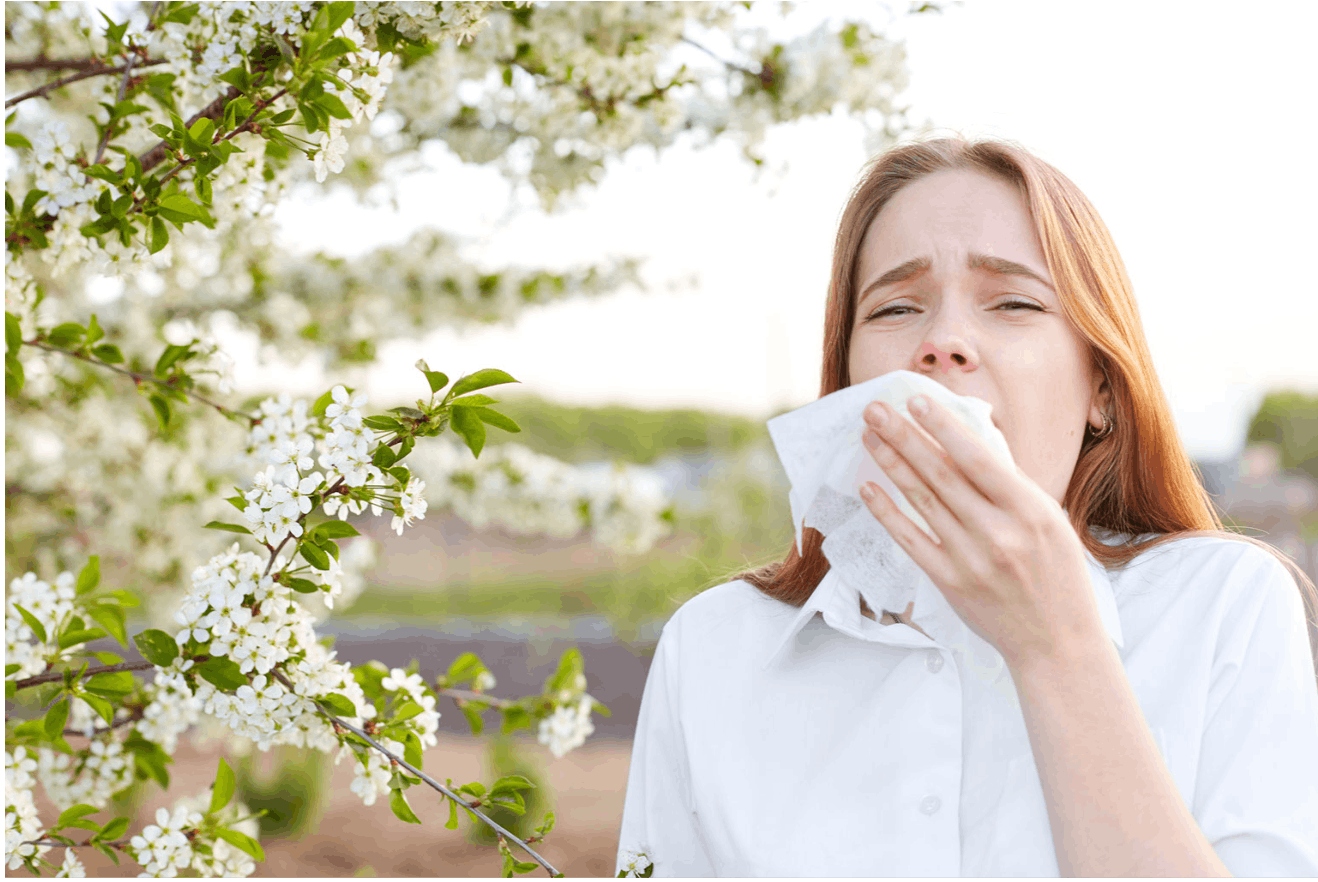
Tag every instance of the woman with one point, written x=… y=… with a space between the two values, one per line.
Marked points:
x=785 y=730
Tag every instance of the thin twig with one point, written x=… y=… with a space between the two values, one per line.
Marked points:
x=91 y=68
x=136 y=715
x=426 y=778
x=117 y=843
x=245 y=126
x=52 y=676
x=143 y=378
x=109 y=126
x=461 y=695
x=730 y=65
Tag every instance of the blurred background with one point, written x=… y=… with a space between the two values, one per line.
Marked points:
x=1159 y=111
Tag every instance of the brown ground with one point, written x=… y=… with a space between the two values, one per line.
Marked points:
x=586 y=795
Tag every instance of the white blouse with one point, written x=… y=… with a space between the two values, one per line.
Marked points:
x=777 y=741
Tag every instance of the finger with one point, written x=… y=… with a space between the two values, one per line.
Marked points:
x=995 y=480
x=934 y=466
x=923 y=498
x=927 y=555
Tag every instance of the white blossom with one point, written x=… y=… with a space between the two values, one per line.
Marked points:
x=567 y=728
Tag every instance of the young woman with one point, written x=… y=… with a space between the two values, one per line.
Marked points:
x=787 y=730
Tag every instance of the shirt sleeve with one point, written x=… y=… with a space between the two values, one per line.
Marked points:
x=1256 y=799
x=657 y=815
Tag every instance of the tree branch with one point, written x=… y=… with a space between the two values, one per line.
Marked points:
x=424 y=777
x=143 y=378
x=52 y=676
x=136 y=715
x=730 y=65
x=88 y=67
x=109 y=126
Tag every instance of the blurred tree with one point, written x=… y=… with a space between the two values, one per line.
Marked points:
x=1289 y=420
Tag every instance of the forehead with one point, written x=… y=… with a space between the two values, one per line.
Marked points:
x=947 y=215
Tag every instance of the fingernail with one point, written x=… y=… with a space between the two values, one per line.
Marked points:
x=874 y=413
x=919 y=405
x=867 y=491
x=871 y=439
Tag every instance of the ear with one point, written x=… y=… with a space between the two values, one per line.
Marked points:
x=1101 y=395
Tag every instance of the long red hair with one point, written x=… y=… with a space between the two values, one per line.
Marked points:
x=1136 y=480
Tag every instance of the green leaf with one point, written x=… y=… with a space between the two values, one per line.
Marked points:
x=180 y=205
x=94 y=330
x=13 y=333
x=159 y=235
x=113 y=830
x=339 y=12
x=157 y=647
x=496 y=419
x=546 y=825
x=406 y=711
x=340 y=704
x=382 y=424
x=333 y=105
x=72 y=637
x=111 y=685
x=103 y=708
x=108 y=353
x=436 y=380
x=313 y=555
x=15 y=140
x=474 y=719
x=55 y=718
x=223 y=673
x=242 y=841
x=10 y=670
x=13 y=376
x=32 y=622
x=202 y=130
x=335 y=529
x=224 y=787
x=469 y=426
x=301 y=586
x=90 y=575
x=383 y=457
x=161 y=407
x=452 y=822
x=106 y=658
x=324 y=401
x=66 y=334
x=511 y=784
x=111 y=618
x=73 y=813
x=230 y=528
x=480 y=380
x=398 y=803
x=170 y=357
x=412 y=749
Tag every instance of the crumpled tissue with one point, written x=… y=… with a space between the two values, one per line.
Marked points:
x=821 y=448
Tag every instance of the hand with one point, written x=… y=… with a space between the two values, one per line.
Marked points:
x=1007 y=560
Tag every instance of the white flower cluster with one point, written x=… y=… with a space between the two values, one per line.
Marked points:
x=21 y=821
x=567 y=727
x=412 y=503
x=418 y=20
x=526 y=492
x=373 y=776
x=225 y=861
x=91 y=776
x=633 y=862
x=58 y=175
x=428 y=720
x=171 y=707
x=374 y=773
x=164 y=848
x=51 y=605
x=373 y=77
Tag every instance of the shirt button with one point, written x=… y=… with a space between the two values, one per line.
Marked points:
x=935 y=662
x=930 y=804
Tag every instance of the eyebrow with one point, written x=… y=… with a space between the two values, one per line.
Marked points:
x=997 y=266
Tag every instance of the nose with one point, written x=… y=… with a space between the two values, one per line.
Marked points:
x=956 y=357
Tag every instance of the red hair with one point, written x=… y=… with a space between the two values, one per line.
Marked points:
x=1136 y=480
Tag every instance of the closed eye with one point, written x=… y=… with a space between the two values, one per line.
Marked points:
x=1019 y=304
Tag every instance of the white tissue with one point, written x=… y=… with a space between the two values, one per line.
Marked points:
x=826 y=462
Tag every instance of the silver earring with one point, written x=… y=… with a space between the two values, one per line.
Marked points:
x=1107 y=427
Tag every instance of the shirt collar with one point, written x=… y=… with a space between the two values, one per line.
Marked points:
x=839 y=604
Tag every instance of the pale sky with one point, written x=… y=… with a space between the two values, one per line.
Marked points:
x=1189 y=125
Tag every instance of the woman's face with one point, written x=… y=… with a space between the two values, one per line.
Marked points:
x=952 y=284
